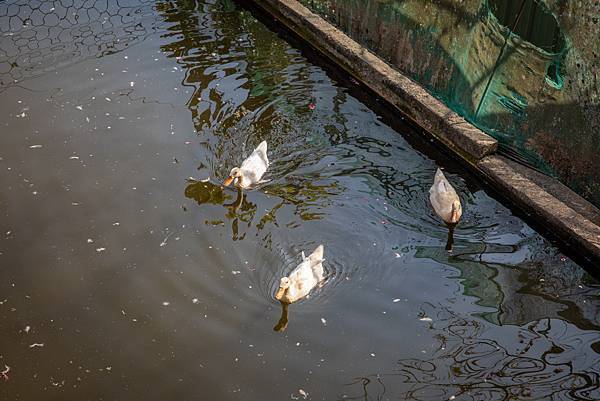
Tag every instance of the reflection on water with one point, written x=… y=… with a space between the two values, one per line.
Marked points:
x=141 y=285
x=207 y=192
x=283 y=320
x=473 y=362
x=240 y=209
x=450 y=240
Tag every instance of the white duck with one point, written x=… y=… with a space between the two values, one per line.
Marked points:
x=444 y=199
x=303 y=279
x=251 y=170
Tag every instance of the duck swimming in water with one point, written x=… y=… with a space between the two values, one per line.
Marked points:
x=444 y=199
x=300 y=282
x=251 y=170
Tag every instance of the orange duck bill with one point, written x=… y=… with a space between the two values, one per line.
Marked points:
x=228 y=181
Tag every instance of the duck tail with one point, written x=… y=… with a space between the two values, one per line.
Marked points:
x=317 y=254
x=439 y=175
x=261 y=150
x=262 y=147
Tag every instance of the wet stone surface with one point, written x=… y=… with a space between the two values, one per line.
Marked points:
x=125 y=275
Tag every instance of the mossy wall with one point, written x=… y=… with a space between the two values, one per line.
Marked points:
x=525 y=71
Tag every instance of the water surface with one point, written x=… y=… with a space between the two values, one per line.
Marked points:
x=125 y=275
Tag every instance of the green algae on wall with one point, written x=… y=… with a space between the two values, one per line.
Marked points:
x=524 y=71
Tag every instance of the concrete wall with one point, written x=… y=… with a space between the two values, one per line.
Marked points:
x=533 y=85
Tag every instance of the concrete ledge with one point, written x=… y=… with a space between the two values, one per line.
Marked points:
x=567 y=215
x=561 y=211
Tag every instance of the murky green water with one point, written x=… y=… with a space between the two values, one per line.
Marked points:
x=124 y=279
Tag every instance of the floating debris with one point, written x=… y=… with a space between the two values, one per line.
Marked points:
x=100 y=249
x=27 y=328
x=324 y=321
x=195 y=301
x=426 y=319
x=396 y=300
x=303 y=395
x=57 y=384
x=36 y=345
x=166 y=303
x=79 y=107
x=164 y=241
x=4 y=373
x=35 y=146
x=312 y=106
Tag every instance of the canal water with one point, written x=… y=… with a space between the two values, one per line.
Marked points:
x=127 y=273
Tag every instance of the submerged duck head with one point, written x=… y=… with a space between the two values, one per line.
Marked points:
x=455 y=212
x=284 y=284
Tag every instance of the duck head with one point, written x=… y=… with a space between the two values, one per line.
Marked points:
x=284 y=284
x=235 y=176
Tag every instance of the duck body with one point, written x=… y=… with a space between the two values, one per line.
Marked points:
x=303 y=279
x=444 y=199
x=251 y=170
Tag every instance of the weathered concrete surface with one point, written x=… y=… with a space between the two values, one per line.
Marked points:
x=556 y=207
x=563 y=212
x=409 y=97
